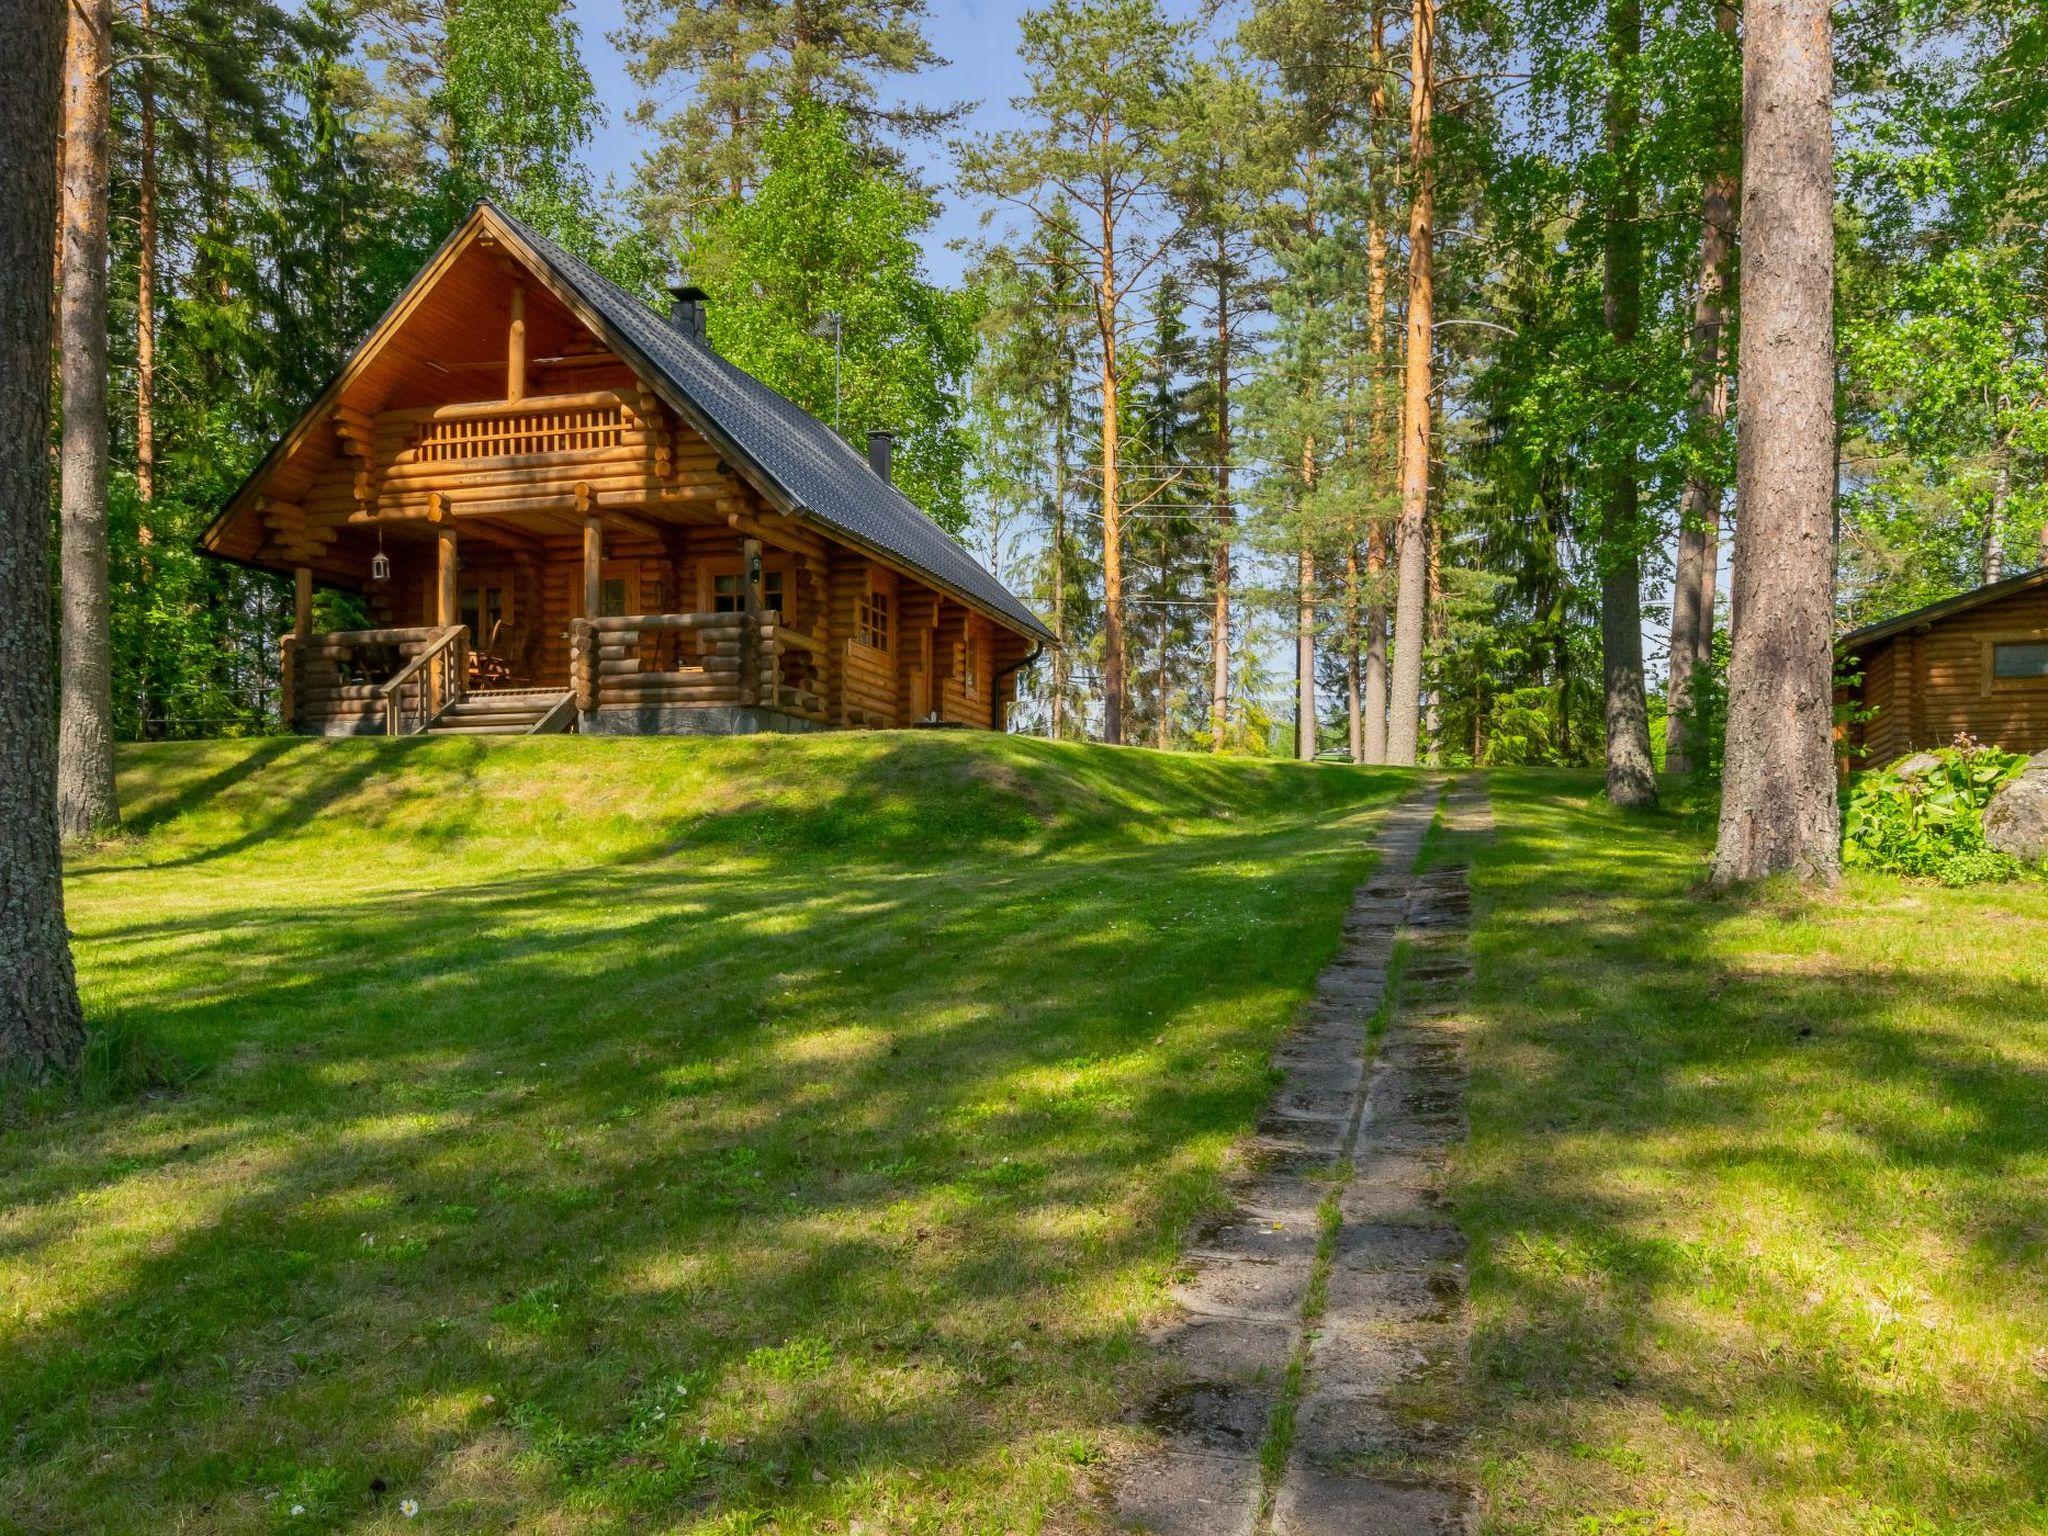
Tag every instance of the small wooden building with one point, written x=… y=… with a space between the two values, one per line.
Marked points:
x=562 y=510
x=1977 y=663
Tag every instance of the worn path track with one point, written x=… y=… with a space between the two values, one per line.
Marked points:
x=1321 y=1339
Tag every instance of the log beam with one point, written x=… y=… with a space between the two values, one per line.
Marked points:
x=593 y=566
x=515 y=347
x=302 y=603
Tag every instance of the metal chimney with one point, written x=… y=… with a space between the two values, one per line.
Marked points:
x=881 y=449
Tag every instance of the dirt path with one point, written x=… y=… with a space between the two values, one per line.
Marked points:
x=1322 y=1337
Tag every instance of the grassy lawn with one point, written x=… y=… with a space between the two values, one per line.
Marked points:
x=656 y=1135
x=1758 y=1191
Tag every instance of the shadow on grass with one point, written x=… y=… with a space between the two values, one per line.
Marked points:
x=1730 y=1157
x=726 y=1175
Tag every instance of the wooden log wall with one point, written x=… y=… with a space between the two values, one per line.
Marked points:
x=338 y=679
x=1934 y=682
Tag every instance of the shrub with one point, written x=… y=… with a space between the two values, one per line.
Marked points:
x=1930 y=821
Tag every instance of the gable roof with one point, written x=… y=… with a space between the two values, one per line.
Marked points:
x=800 y=464
x=1948 y=606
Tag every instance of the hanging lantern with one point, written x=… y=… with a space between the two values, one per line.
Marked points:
x=380 y=563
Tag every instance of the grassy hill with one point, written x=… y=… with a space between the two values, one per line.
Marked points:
x=592 y=1135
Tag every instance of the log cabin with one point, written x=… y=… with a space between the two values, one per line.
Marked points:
x=1976 y=664
x=562 y=510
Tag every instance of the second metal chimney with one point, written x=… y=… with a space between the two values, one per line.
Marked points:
x=687 y=313
x=881 y=450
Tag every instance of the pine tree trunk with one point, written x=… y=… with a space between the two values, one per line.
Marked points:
x=1631 y=771
x=145 y=280
x=1305 y=655
x=1354 y=654
x=1375 y=648
x=1699 y=530
x=1779 y=813
x=85 y=732
x=1219 y=620
x=1374 y=725
x=1404 y=717
x=1057 y=715
x=1107 y=299
x=41 y=1029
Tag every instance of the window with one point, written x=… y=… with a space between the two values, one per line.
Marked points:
x=483 y=610
x=2020 y=659
x=871 y=621
x=970 y=667
x=728 y=593
x=611 y=600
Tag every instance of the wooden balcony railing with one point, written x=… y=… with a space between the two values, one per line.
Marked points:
x=725 y=660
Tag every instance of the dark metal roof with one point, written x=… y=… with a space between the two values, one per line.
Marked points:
x=816 y=472
x=1962 y=602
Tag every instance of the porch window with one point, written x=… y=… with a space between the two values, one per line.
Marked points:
x=729 y=593
x=611 y=598
x=483 y=610
x=970 y=665
x=2020 y=659
x=872 y=621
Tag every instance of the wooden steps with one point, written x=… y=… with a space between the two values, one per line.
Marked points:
x=508 y=712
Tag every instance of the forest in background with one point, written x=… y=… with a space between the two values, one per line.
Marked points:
x=1166 y=402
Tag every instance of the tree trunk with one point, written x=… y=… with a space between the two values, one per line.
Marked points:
x=145 y=279
x=1056 y=721
x=41 y=1028
x=85 y=733
x=1219 y=620
x=1631 y=771
x=1107 y=299
x=1412 y=545
x=1354 y=653
x=1699 y=530
x=1374 y=725
x=1375 y=647
x=1779 y=813
x=1305 y=619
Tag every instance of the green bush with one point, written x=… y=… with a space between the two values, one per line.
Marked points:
x=1930 y=822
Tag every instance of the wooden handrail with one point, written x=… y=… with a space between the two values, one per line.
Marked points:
x=392 y=691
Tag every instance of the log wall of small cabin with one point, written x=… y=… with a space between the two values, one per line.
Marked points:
x=1933 y=682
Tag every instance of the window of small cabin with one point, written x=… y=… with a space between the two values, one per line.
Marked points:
x=871 y=620
x=484 y=608
x=729 y=593
x=2019 y=660
x=970 y=667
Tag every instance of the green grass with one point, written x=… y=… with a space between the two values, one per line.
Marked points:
x=642 y=1135
x=1758 y=1189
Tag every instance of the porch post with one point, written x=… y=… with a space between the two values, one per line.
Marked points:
x=302 y=601
x=447 y=601
x=750 y=629
x=593 y=566
x=515 y=347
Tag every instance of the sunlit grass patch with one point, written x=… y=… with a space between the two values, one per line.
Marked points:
x=1758 y=1187
x=860 y=1087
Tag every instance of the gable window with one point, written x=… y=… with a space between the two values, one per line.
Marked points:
x=729 y=593
x=871 y=620
x=2015 y=659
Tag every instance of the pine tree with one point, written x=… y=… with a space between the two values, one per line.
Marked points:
x=747 y=63
x=86 y=802
x=1102 y=75
x=41 y=1028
